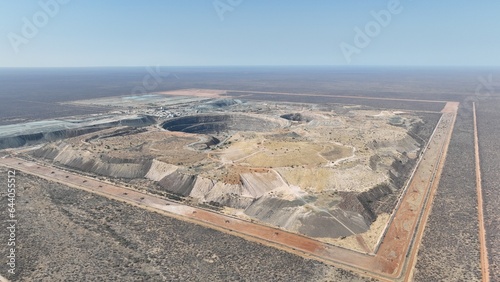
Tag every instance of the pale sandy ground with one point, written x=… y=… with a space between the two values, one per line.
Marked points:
x=206 y=93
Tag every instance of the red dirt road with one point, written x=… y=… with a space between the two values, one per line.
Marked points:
x=482 y=231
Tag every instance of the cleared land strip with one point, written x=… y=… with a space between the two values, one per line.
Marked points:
x=336 y=96
x=482 y=232
x=398 y=247
x=449 y=112
x=400 y=244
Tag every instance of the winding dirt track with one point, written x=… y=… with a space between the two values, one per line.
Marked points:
x=482 y=232
x=395 y=255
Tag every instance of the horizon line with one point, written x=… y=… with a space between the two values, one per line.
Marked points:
x=256 y=66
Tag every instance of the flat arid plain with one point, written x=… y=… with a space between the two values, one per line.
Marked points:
x=220 y=178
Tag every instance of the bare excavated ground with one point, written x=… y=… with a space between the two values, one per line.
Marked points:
x=66 y=234
x=323 y=172
x=489 y=135
x=450 y=246
x=412 y=198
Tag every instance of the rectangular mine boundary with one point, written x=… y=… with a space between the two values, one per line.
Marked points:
x=396 y=252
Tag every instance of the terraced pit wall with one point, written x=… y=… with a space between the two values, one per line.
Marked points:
x=28 y=139
x=383 y=198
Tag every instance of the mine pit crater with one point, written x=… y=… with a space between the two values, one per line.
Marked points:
x=220 y=123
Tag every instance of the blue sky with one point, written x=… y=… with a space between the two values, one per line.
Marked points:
x=254 y=32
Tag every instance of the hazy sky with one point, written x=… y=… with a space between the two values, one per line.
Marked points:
x=253 y=32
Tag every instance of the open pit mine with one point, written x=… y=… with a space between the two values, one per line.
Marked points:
x=323 y=171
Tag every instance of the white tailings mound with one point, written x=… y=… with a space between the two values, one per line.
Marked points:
x=159 y=170
x=259 y=183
